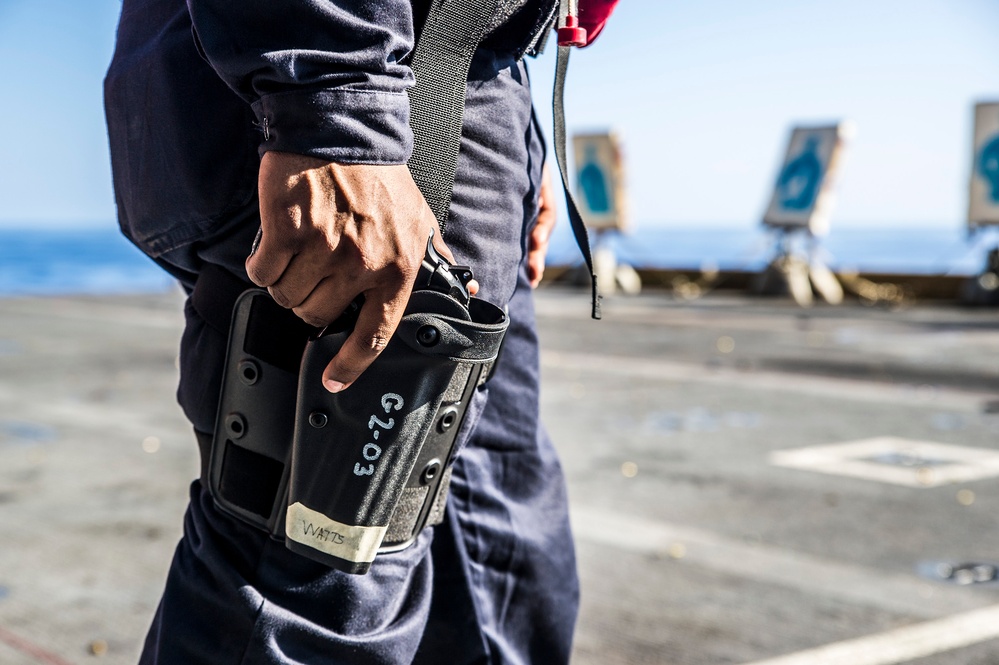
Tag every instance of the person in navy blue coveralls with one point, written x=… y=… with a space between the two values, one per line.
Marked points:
x=292 y=117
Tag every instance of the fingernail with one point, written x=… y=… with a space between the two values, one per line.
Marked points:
x=332 y=386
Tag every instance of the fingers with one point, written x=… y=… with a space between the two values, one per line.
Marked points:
x=535 y=268
x=541 y=232
x=376 y=323
x=302 y=275
x=266 y=265
x=326 y=302
x=285 y=187
x=538 y=249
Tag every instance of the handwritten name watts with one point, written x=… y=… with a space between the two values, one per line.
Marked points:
x=319 y=533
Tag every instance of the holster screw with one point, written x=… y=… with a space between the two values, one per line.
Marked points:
x=235 y=425
x=447 y=420
x=428 y=335
x=318 y=419
x=430 y=471
x=249 y=372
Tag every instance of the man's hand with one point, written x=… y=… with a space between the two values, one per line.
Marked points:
x=330 y=232
x=537 y=245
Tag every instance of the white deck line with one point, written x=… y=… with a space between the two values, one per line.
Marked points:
x=902 y=645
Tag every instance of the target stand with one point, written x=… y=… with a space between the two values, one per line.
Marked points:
x=602 y=199
x=798 y=271
x=983 y=205
x=798 y=214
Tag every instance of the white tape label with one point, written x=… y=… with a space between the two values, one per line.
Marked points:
x=313 y=529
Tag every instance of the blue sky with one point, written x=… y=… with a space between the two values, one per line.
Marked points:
x=702 y=94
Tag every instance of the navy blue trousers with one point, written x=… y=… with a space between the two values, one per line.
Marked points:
x=496 y=582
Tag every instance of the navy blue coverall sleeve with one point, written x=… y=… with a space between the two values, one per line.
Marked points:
x=324 y=77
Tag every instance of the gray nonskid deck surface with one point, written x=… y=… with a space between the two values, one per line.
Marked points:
x=695 y=545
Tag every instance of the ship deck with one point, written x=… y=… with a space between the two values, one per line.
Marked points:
x=751 y=482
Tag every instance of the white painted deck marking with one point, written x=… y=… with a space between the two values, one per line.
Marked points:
x=902 y=644
x=894 y=460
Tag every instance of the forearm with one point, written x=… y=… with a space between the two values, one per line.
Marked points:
x=323 y=76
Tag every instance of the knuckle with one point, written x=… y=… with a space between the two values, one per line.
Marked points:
x=256 y=275
x=280 y=297
x=377 y=343
x=400 y=270
x=367 y=346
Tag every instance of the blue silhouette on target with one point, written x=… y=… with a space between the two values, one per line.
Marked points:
x=988 y=167
x=593 y=182
x=799 y=181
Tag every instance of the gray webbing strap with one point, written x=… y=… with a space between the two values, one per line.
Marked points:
x=575 y=219
x=440 y=63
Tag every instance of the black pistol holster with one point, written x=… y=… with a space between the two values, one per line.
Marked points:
x=341 y=477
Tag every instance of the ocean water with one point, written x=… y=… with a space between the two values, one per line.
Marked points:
x=944 y=250
x=91 y=261
x=101 y=261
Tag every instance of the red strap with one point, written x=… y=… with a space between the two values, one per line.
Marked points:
x=593 y=14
